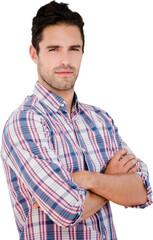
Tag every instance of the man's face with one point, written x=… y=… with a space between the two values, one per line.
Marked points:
x=59 y=58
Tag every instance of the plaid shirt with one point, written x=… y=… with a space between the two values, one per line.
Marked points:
x=41 y=147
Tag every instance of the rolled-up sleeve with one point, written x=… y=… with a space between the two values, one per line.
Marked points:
x=144 y=174
x=118 y=143
x=28 y=150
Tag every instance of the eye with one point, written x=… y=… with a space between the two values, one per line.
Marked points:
x=75 y=49
x=52 y=49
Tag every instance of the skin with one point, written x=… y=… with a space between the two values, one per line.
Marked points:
x=59 y=59
x=119 y=183
x=58 y=63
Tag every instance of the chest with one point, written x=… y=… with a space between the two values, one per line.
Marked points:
x=81 y=143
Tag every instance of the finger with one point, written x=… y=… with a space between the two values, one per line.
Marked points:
x=127 y=158
x=130 y=164
x=119 y=154
x=134 y=169
x=35 y=205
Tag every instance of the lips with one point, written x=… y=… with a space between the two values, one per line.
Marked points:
x=64 y=72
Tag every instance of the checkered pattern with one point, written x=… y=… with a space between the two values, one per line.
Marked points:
x=41 y=147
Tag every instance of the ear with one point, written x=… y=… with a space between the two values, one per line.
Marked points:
x=33 y=54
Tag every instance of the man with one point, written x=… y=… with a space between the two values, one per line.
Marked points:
x=64 y=160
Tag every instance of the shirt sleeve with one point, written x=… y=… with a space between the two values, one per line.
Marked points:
x=28 y=150
x=118 y=143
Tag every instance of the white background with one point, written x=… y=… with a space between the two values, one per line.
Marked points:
x=116 y=75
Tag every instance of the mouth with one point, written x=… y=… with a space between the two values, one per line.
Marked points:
x=64 y=73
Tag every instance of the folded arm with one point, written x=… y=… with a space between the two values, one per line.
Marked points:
x=93 y=203
x=124 y=189
x=118 y=184
x=27 y=150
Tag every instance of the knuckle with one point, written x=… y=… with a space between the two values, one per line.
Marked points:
x=130 y=156
x=120 y=153
x=133 y=161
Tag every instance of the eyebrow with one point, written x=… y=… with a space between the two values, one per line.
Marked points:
x=58 y=46
x=76 y=46
x=52 y=46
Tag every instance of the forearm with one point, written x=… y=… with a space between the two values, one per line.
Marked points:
x=93 y=203
x=123 y=189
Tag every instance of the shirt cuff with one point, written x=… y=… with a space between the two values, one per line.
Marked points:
x=143 y=173
x=81 y=202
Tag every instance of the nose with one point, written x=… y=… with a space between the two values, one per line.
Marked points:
x=65 y=58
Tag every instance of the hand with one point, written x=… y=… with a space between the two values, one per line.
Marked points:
x=36 y=205
x=121 y=163
x=82 y=179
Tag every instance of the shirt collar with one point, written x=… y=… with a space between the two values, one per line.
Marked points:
x=52 y=100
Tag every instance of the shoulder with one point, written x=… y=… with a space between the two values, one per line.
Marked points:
x=27 y=110
x=97 y=112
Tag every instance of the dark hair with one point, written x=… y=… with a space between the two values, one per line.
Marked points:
x=51 y=14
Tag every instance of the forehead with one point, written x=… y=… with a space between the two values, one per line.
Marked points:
x=62 y=34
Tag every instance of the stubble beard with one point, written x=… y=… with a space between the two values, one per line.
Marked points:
x=57 y=82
